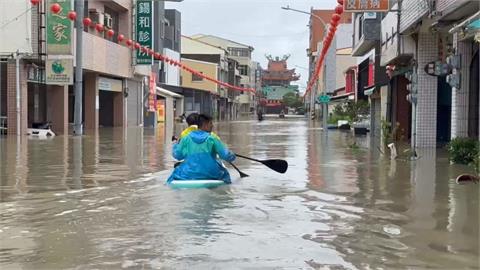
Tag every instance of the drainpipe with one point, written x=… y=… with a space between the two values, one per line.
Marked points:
x=17 y=75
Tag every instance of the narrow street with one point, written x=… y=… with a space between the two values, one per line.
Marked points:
x=99 y=202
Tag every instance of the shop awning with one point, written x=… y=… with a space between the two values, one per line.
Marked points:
x=165 y=93
x=369 y=91
x=471 y=22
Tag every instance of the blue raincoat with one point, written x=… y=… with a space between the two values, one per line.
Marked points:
x=199 y=150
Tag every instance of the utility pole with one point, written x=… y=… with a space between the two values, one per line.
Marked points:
x=78 y=127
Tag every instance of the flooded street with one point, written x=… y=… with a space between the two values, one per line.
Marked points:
x=100 y=203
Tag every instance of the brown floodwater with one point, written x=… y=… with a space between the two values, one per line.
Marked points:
x=99 y=202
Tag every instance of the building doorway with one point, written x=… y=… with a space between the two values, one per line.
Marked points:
x=105 y=113
x=444 y=111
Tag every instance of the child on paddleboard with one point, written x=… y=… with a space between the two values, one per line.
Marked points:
x=192 y=122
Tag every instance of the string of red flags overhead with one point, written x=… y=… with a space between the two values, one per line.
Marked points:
x=135 y=46
x=327 y=41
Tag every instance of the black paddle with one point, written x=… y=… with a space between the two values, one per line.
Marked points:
x=278 y=165
x=242 y=174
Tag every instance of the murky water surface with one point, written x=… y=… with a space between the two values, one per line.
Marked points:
x=100 y=203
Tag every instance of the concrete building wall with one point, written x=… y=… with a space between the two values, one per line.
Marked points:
x=390 y=44
x=134 y=103
x=172 y=73
x=11 y=98
x=91 y=102
x=192 y=46
x=206 y=68
x=106 y=57
x=344 y=61
x=344 y=36
x=317 y=28
x=330 y=68
x=17 y=34
x=175 y=19
x=57 y=112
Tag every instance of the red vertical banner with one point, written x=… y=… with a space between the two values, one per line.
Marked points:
x=348 y=82
x=152 y=99
x=371 y=73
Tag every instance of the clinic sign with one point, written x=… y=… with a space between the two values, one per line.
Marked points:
x=59 y=29
x=59 y=71
x=144 y=29
x=366 y=5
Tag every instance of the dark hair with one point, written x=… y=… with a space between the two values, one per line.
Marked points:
x=192 y=119
x=203 y=119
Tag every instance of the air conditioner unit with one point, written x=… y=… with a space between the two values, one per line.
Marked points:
x=108 y=22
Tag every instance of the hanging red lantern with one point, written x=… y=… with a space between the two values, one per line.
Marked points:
x=340 y=2
x=55 y=8
x=120 y=38
x=339 y=9
x=151 y=52
x=34 y=2
x=99 y=27
x=110 y=33
x=156 y=56
x=137 y=45
x=336 y=17
x=129 y=42
x=87 y=21
x=72 y=15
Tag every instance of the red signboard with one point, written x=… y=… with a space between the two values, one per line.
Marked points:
x=366 y=5
x=152 y=98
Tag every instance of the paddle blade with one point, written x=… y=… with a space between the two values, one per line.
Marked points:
x=278 y=165
x=242 y=174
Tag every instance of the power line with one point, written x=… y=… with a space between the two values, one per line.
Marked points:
x=16 y=18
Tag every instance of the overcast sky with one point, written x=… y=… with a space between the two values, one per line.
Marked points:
x=261 y=24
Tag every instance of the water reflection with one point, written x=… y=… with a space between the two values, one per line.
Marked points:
x=99 y=202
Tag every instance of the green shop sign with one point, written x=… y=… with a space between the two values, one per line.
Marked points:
x=59 y=29
x=144 y=31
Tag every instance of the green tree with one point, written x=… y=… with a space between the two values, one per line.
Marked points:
x=292 y=100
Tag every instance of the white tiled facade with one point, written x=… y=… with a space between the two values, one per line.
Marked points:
x=427 y=93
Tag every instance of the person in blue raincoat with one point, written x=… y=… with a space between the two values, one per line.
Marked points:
x=199 y=150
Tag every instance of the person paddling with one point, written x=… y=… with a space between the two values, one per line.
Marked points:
x=199 y=150
x=192 y=122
